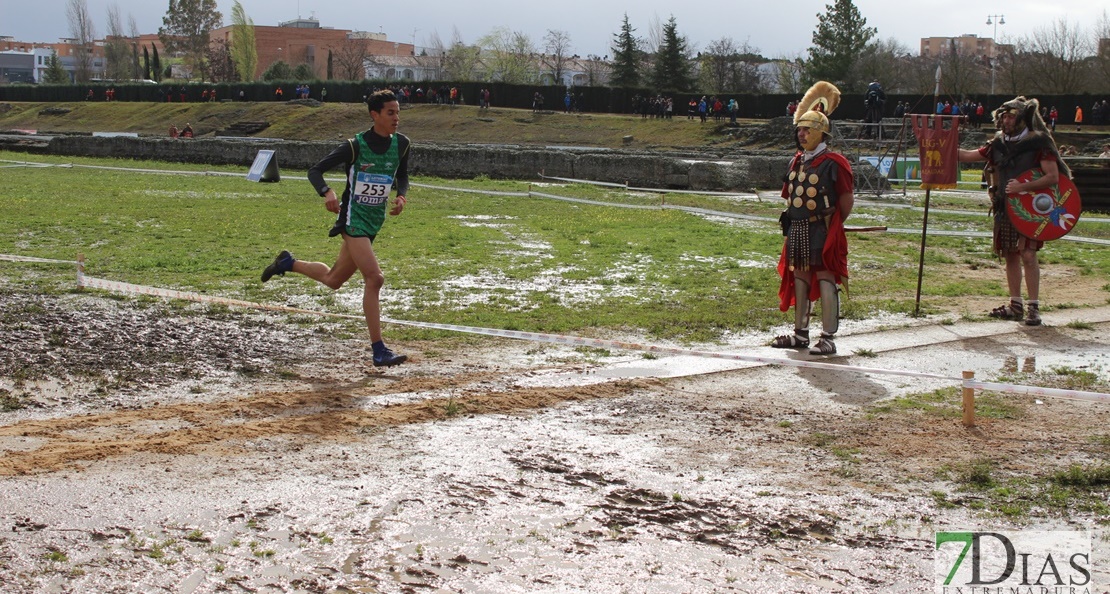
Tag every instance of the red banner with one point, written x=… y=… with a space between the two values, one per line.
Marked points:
x=938 y=138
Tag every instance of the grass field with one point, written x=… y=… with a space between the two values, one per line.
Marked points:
x=498 y=261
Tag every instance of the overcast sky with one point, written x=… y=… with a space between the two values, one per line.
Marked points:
x=780 y=28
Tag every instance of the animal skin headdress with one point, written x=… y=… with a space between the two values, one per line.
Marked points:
x=1028 y=112
x=816 y=105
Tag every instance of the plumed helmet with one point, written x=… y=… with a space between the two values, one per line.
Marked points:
x=816 y=105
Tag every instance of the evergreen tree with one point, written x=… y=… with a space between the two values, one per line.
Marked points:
x=842 y=35
x=278 y=71
x=672 y=61
x=146 y=64
x=185 y=29
x=626 y=57
x=55 y=74
x=156 y=65
x=331 y=73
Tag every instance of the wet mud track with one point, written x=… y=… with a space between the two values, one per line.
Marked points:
x=261 y=463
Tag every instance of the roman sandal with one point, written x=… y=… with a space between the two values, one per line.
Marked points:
x=1033 y=315
x=824 y=346
x=798 y=340
x=1011 y=311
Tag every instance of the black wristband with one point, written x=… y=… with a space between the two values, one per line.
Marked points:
x=326 y=188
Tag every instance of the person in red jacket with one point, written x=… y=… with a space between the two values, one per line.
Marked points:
x=819 y=193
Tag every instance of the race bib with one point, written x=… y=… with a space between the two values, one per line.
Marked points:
x=372 y=189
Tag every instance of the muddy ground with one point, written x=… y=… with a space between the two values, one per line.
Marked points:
x=148 y=447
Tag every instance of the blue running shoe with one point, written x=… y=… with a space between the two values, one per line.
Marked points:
x=282 y=263
x=387 y=358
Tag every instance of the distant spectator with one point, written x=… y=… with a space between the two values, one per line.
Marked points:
x=278 y=93
x=110 y=94
x=242 y=95
x=212 y=94
x=1053 y=115
x=1105 y=154
x=1078 y=117
x=204 y=95
x=323 y=93
x=187 y=131
x=90 y=96
x=173 y=131
x=182 y=93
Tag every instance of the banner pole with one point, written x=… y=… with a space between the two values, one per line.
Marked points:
x=921 y=258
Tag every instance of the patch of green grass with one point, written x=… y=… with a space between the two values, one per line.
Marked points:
x=258 y=551
x=867 y=353
x=1077 y=489
x=56 y=556
x=590 y=351
x=665 y=274
x=9 y=401
x=453 y=407
x=1079 y=325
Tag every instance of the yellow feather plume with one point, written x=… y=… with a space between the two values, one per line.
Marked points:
x=822 y=96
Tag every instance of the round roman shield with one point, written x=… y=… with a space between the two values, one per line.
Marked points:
x=1045 y=214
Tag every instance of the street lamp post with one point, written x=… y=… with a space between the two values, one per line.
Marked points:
x=996 y=20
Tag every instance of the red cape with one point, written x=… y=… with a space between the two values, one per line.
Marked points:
x=834 y=255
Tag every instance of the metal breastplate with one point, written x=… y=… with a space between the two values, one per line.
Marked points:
x=809 y=190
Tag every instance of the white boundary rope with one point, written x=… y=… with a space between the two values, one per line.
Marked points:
x=11 y=258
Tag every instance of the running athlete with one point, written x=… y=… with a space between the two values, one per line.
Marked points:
x=376 y=162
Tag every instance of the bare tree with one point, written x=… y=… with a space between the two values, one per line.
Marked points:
x=349 y=58
x=788 y=72
x=718 y=64
x=435 y=52
x=919 y=77
x=83 y=32
x=961 y=71
x=510 y=56
x=886 y=62
x=117 y=48
x=727 y=67
x=1101 y=42
x=1056 y=58
x=221 y=64
x=461 y=61
x=557 y=53
x=598 y=70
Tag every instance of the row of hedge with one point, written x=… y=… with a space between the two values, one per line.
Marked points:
x=586 y=99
